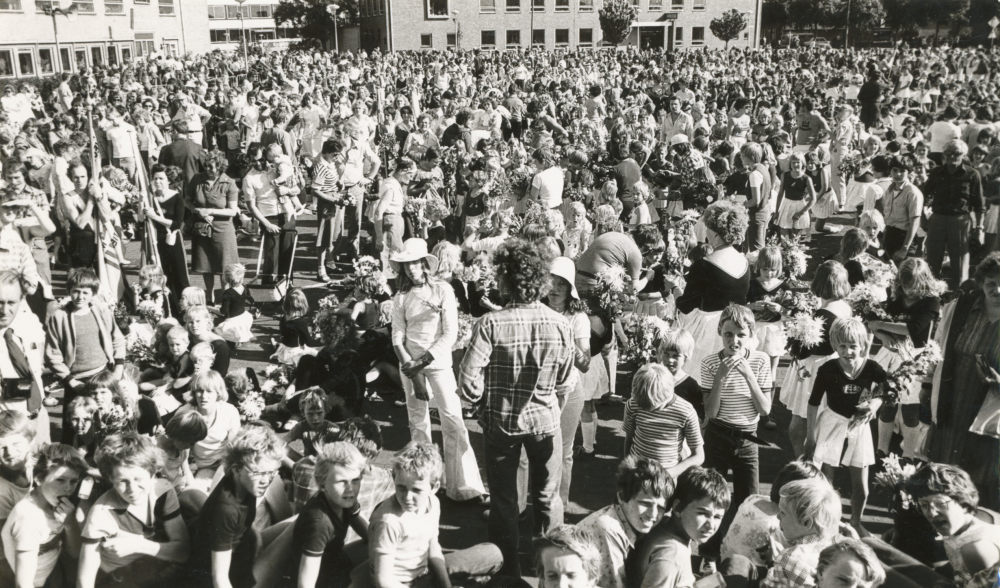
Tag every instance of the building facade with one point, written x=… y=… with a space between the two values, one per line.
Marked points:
x=397 y=25
x=225 y=24
x=102 y=32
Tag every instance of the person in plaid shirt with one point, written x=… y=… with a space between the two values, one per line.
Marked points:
x=518 y=364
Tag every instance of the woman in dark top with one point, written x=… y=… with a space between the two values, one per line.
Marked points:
x=915 y=306
x=796 y=196
x=830 y=285
x=868 y=96
x=167 y=219
x=713 y=283
x=212 y=196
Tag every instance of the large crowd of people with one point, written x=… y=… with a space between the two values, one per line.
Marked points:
x=516 y=238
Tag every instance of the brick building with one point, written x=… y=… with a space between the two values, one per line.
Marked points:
x=398 y=25
x=103 y=32
x=258 y=20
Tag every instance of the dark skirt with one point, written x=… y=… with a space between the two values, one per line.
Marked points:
x=211 y=255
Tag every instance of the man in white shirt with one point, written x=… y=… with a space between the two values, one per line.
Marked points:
x=676 y=122
x=389 y=210
x=121 y=143
x=195 y=115
x=19 y=359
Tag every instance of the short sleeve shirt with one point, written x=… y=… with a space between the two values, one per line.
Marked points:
x=737 y=408
x=843 y=394
x=320 y=532
x=221 y=526
x=406 y=536
x=32 y=526
x=111 y=514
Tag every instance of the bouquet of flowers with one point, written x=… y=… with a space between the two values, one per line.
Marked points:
x=139 y=352
x=465 y=324
x=496 y=191
x=485 y=273
x=803 y=331
x=122 y=317
x=452 y=160
x=277 y=379
x=894 y=475
x=365 y=266
x=576 y=195
x=866 y=302
x=922 y=364
x=415 y=210
x=615 y=291
x=436 y=209
x=329 y=301
x=852 y=165
x=644 y=332
x=150 y=311
x=251 y=406
x=798 y=302
x=520 y=181
x=703 y=193
x=881 y=275
x=115 y=420
x=793 y=256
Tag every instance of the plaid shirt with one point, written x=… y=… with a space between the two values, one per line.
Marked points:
x=15 y=255
x=796 y=565
x=525 y=353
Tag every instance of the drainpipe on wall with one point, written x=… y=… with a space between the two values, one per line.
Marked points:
x=388 y=25
x=180 y=15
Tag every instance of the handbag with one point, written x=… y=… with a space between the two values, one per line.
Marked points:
x=202 y=229
x=987 y=422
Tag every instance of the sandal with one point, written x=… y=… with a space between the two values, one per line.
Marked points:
x=322 y=277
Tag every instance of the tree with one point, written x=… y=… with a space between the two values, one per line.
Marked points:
x=945 y=12
x=314 y=21
x=904 y=16
x=617 y=17
x=812 y=13
x=865 y=14
x=774 y=18
x=728 y=26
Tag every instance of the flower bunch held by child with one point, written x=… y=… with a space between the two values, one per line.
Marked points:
x=140 y=352
x=798 y=302
x=251 y=406
x=804 y=332
x=881 y=275
x=465 y=324
x=680 y=239
x=150 y=311
x=329 y=301
x=614 y=291
x=866 y=303
x=644 y=334
x=277 y=379
x=415 y=210
x=436 y=209
x=918 y=366
x=894 y=476
x=793 y=256
x=852 y=164
x=366 y=265
x=122 y=317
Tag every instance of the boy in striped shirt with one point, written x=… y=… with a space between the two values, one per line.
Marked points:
x=739 y=397
x=657 y=422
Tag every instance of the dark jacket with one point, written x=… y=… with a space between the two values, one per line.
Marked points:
x=185 y=154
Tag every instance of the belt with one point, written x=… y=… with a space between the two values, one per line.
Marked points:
x=734 y=433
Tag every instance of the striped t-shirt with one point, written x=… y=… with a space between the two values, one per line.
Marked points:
x=658 y=434
x=737 y=408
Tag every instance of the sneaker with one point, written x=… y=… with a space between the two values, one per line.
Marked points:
x=579 y=451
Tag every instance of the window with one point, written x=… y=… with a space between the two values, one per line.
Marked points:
x=26 y=62
x=586 y=5
x=10 y=6
x=450 y=39
x=655 y=5
x=43 y=5
x=426 y=41
x=216 y=12
x=233 y=12
x=586 y=37
x=126 y=55
x=513 y=39
x=698 y=35
x=437 y=8
x=96 y=56
x=538 y=5
x=86 y=7
x=513 y=5
x=45 y=65
x=81 y=58
x=114 y=7
x=676 y=4
x=562 y=37
x=141 y=1
x=67 y=63
x=234 y=35
x=260 y=11
x=257 y=35
x=678 y=35
x=166 y=7
x=219 y=36
x=488 y=39
x=6 y=64
x=538 y=38
x=488 y=6
x=112 y=55
x=562 y=5
x=698 y=5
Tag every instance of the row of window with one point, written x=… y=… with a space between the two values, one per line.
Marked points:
x=248 y=11
x=233 y=35
x=29 y=62
x=368 y=8
x=488 y=39
x=113 y=7
x=439 y=8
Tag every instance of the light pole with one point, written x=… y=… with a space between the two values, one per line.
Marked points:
x=454 y=15
x=331 y=9
x=243 y=34
x=70 y=14
x=847 y=25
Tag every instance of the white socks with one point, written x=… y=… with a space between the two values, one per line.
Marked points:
x=589 y=434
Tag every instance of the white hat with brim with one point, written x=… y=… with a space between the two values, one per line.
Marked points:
x=564 y=268
x=413 y=250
